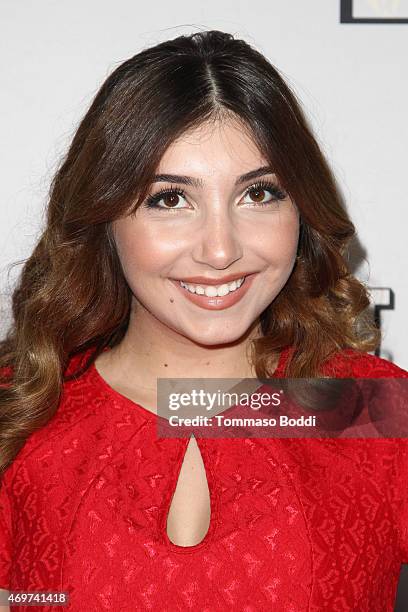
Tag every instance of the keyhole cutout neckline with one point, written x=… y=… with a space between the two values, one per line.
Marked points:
x=190 y=505
x=190 y=487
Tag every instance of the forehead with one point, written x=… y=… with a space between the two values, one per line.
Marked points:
x=220 y=146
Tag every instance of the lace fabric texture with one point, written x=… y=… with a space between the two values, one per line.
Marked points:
x=296 y=524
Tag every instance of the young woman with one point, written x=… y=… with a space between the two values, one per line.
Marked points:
x=194 y=230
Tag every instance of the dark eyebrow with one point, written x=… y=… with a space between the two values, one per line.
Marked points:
x=194 y=182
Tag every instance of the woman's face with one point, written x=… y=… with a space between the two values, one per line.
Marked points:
x=221 y=226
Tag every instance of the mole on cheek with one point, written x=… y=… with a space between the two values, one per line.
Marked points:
x=171 y=300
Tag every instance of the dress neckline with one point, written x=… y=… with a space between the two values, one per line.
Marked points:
x=97 y=379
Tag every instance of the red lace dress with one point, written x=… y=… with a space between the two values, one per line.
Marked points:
x=296 y=524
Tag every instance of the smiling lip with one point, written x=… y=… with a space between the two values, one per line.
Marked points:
x=200 y=280
x=217 y=302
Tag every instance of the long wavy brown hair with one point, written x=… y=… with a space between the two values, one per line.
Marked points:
x=72 y=294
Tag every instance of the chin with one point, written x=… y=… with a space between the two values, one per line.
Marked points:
x=214 y=337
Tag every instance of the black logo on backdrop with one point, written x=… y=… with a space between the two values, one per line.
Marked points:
x=382 y=298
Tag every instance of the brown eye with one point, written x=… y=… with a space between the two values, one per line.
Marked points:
x=171 y=199
x=258 y=193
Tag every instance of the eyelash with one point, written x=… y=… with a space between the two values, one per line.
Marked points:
x=277 y=193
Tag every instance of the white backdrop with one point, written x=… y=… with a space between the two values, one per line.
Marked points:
x=351 y=79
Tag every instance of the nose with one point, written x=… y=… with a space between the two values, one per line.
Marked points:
x=217 y=242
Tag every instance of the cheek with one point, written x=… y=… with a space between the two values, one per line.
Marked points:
x=277 y=241
x=144 y=248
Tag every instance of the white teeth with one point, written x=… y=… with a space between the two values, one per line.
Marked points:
x=213 y=290
x=210 y=291
x=223 y=290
